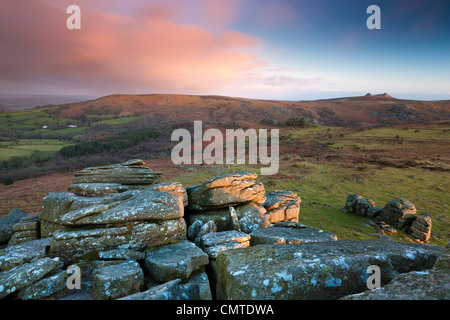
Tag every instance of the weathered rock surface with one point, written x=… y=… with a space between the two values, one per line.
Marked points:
x=398 y=213
x=27 y=229
x=13 y=256
x=176 y=261
x=198 y=229
x=45 y=287
x=25 y=274
x=117 y=281
x=421 y=228
x=7 y=223
x=361 y=206
x=431 y=284
x=133 y=172
x=96 y=189
x=289 y=235
x=121 y=254
x=68 y=242
x=226 y=190
x=315 y=270
x=145 y=206
x=215 y=243
x=282 y=206
x=250 y=216
x=172 y=290
x=128 y=236
x=174 y=187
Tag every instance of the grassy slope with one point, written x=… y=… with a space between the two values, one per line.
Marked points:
x=324 y=185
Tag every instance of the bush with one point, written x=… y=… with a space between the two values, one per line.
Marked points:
x=8 y=181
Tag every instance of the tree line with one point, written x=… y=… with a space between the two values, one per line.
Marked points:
x=111 y=144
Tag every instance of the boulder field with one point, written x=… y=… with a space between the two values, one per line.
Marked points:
x=117 y=233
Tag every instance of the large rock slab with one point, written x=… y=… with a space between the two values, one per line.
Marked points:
x=133 y=172
x=315 y=270
x=96 y=189
x=172 y=290
x=70 y=242
x=226 y=190
x=174 y=187
x=56 y=205
x=175 y=261
x=283 y=235
x=25 y=274
x=13 y=256
x=217 y=242
x=145 y=206
x=117 y=281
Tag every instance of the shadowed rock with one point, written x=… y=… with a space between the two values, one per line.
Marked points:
x=286 y=235
x=431 y=284
x=315 y=270
x=282 y=206
x=25 y=274
x=175 y=261
x=116 y=281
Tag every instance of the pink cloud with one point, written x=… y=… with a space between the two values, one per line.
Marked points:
x=119 y=53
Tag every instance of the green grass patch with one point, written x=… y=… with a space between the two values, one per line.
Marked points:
x=324 y=188
x=28 y=147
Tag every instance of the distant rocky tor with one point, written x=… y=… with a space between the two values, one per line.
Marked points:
x=119 y=234
x=397 y=214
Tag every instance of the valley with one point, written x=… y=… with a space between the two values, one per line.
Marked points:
x=404 y=158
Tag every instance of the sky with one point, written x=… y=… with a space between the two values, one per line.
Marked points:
x=263 y=49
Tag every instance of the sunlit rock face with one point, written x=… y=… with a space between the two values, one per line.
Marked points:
x=226 y=190
x=282 y=206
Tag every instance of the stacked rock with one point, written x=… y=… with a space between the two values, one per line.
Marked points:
x=399 y=213
x=361 y=206
x=282 y=206
x=211 y=201
x=7 y=223
x=27 y=229
x=113 y=207
x=402 y=215
x=421 y=228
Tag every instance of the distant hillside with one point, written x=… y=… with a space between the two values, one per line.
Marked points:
x=20 y=102
x=351 y=111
